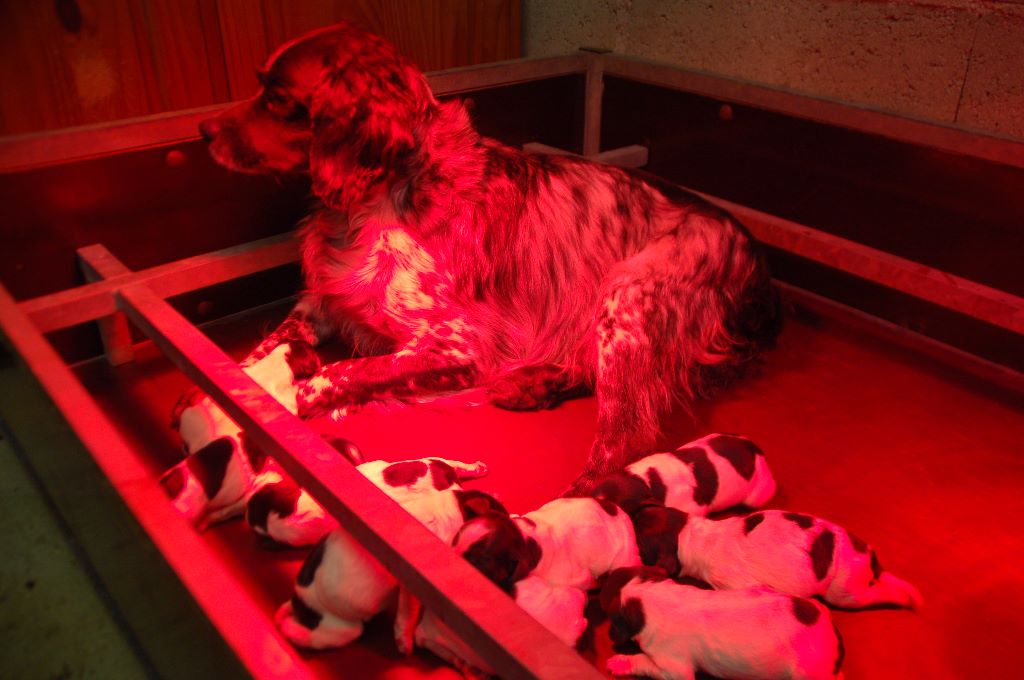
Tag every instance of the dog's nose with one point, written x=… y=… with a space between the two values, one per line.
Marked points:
x=209 y=129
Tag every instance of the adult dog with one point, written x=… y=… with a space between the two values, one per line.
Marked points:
x=453 y=261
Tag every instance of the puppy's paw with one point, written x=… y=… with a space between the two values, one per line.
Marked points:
x=619 y=665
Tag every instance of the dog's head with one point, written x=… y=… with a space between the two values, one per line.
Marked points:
x=338 y=103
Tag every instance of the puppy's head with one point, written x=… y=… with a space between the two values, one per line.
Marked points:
x=338 y=103
x=497 y=548
x=657 y=536
x=624 y=489
x=626 y=617
x=473 y=503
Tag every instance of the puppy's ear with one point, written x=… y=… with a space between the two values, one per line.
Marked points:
x=365 y=118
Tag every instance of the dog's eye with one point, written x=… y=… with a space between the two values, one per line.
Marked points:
x=282 y=106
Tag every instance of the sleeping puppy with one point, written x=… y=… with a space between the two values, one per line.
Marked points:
x=754 y=633
x=790 y=552
x=567 y=542
x=219 y=472
x=557 y=608
x=341 y=585
x=286 y=515
x=709 y=474
x=499 y=549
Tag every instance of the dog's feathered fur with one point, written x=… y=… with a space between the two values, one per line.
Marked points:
x=462 y=262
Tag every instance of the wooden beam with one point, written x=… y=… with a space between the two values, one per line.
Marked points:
x=502 y=73
x=592 y=104
x=631 y=156
x=21 y=152
x=234 y=612
x=505 y=636
x=97 y=264
x=96 y=300
x=921 y=345
x=927 y=283
x=988 y=146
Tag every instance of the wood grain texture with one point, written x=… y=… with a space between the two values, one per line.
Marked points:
x=82 y=65
x=67 y=63
x=179 y=51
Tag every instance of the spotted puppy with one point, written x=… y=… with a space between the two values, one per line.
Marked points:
x=709 y=474
x=557 y=608
x=754 y=633
x=790 y=552
x=567 y=542
x=218 y=474
x=341 y=585
x=283 y=513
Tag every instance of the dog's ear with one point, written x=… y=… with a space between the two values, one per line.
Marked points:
x=365 y=119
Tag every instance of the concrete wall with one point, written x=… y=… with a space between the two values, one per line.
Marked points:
x=949 y=61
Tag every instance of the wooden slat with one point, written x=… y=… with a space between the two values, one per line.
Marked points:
x=936 y=286
x=95 y=300
x=504 y=635
x=988 y=371
x=469 y=78
x=592 y=100
x=21 y=152
x=631 y=156
x=97 y=264
x=234 y=612
x=901 y=128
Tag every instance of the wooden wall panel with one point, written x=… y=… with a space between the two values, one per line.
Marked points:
x=75 y=62
x=245 y=44
x=182 y=59
x=68 y=62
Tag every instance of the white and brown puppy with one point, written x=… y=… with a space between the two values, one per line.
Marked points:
x=218 y=474
x=567 y=542
x=790 y=552
x=341 y=585
x=557 y=608
x=709 y=474
x=753 y=633
x=283 y=513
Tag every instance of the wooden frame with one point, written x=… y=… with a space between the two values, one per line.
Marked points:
x=508 y=639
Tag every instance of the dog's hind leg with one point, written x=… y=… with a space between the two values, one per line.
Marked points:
x=632 y=389
x=683 y=315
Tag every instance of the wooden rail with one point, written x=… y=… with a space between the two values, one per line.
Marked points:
x=486 y=618
x=956 y=140
x=96 y=300
x=224 y=601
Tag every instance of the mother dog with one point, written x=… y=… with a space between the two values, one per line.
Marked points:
x=453 y=261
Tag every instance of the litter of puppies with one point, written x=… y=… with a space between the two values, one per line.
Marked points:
x=638 y=543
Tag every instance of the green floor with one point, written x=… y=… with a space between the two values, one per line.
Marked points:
x=54 y=623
